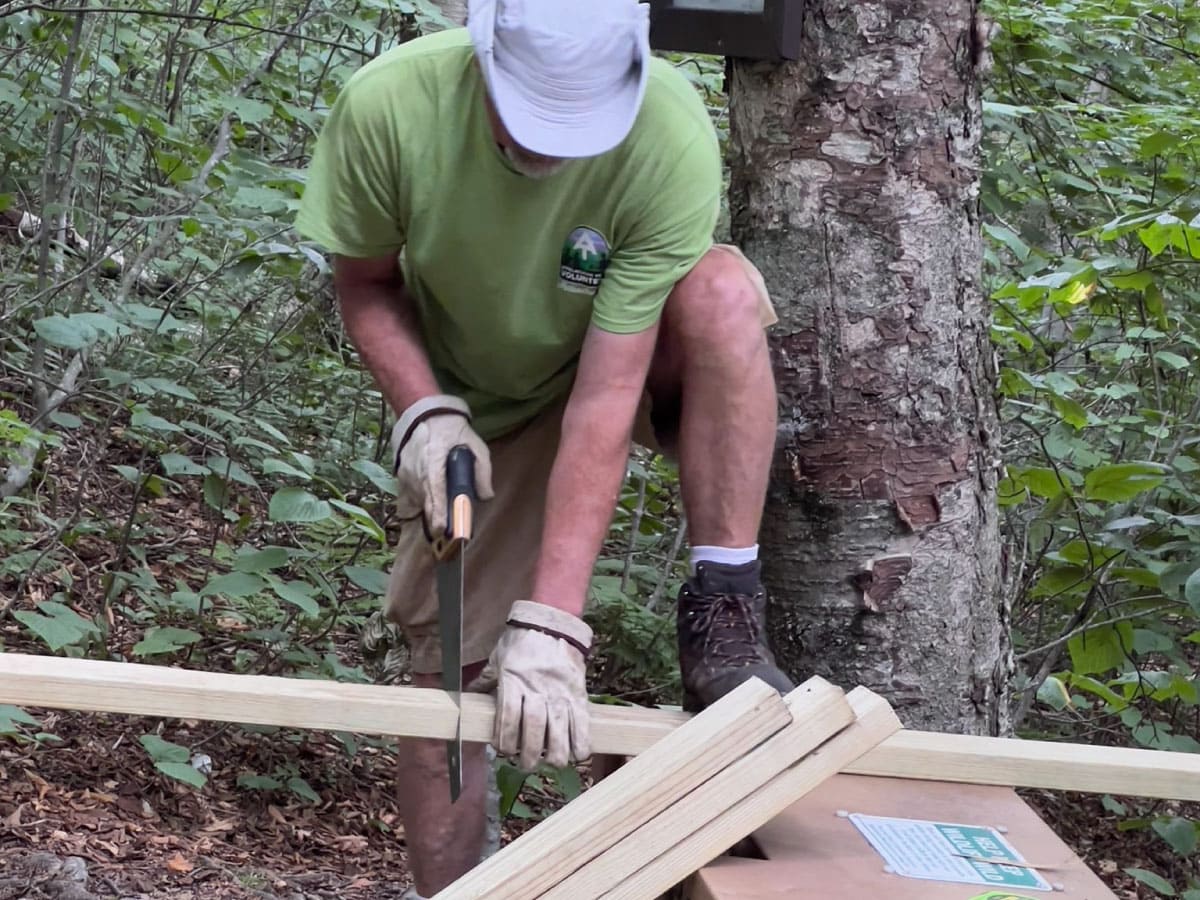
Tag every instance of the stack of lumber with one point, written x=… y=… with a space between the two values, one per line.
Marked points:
x=688 y=798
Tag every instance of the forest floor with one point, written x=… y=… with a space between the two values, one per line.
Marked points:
x=88 y=816
x=95 y=796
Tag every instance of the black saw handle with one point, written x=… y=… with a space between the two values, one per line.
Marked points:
x=460 y=494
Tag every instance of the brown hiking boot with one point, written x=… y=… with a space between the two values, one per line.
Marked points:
x=720 y=625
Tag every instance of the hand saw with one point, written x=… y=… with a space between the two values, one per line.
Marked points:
x=449 y=551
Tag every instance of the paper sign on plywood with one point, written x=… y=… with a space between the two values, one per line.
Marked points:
x=941 y=851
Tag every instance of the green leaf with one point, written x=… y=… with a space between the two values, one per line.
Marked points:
x=177 y=464
x=56 y=632
x=297 y=593
x=261 y=560
x=1152 y=881
x=1116 y=807
x=11 y=714
x=66 y=419
x=1041 y=481
x=227 y=468
x=216 y=491
x=234 y=585
x=1009 y=238
x=301 y=788
x=154 y=386
x=163 y=751
x=1172 y=360
x=509 y=781
x=568 y=782
x=1179 y=833
x=273 y=466
x=259 y=782
x=182 y=771
x=143 y=418
x=1156 y=143
x=248 y=110
x=373 y=581
x=129 y=473
x=293 y=504
x=1101 y=649
x=376 y=474
x=1099 y=689
x=1118 y=482
x=1173 y=579
x=1054 y=694
x=71 y=332
x=1128 y=522
x=1191 y=591
x=362 y=518
x=1156 y=237
x=164 y=640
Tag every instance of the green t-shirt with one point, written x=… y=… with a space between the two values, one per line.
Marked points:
x=508 y=271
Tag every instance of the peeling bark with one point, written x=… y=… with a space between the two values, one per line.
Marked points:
x=855 y=179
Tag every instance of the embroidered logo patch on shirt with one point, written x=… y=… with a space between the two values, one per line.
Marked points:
x=584 y=259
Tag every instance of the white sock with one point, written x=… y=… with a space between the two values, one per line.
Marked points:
x=725 y=556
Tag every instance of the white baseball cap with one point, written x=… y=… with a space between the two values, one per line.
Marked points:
x=567 y=77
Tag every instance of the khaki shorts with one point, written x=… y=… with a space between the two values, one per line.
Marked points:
x=499 y=561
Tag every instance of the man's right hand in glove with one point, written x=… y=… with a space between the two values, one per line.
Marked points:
x=421 y=441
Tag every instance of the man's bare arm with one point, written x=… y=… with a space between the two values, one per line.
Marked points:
x=590 y=466
x=383 y=326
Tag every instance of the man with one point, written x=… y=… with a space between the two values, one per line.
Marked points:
x=554 y=191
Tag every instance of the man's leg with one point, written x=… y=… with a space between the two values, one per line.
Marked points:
x=445 y=840
x=712 y=381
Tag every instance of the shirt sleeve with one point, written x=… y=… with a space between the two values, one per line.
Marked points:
x=352 y=197
x=671 y=234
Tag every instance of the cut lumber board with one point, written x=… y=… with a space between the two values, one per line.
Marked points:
x=1038 y=764
x=875 y=722
x=813 y=846
x=145 y=690
x=813 y=723
x=640 y=790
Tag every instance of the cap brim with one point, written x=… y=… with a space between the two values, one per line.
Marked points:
x=561 y=131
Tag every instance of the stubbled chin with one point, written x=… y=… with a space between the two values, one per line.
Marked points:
x=534 y=168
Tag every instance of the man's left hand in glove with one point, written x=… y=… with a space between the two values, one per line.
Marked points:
x=537 y=671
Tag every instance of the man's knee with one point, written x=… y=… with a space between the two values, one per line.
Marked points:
x=719 y=303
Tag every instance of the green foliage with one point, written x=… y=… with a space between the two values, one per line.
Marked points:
x=172 y=760
x=552 y=787
x=1093 y=262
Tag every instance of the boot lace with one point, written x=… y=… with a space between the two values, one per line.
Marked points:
x=729 y=629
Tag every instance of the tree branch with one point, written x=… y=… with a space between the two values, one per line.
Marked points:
x=12 y=8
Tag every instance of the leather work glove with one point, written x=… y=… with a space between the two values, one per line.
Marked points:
x=421 y=441
x=537 y=671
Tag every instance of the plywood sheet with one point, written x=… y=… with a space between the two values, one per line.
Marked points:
x=815 y=854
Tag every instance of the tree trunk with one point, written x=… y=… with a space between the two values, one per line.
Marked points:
x=855 y=186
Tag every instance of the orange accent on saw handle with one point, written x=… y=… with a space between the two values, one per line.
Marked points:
x=460 y=503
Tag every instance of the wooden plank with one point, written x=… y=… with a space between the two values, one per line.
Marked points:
x=635 y=794
x=145 y=690
x=1039 y=764
x=875 y=721
x=139 y=689
x=814 y=721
